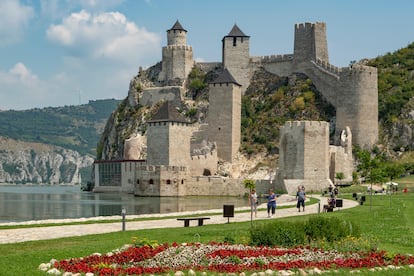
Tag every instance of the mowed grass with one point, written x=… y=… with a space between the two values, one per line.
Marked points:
x=389 y=218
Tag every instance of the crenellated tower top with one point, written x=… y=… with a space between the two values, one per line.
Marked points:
x=310 y=42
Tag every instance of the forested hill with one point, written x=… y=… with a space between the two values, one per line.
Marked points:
x=72 y=127
x=396 y=98
x=395 y=82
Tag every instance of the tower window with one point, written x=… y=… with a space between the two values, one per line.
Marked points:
x=234 y=41
x=168 y=181
x=151 y=181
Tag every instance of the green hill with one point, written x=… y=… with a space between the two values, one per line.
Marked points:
x=72 y=127
x=395 y=82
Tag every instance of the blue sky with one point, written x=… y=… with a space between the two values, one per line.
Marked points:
x=66 y=52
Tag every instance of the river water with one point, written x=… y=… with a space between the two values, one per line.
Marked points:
x=25 y=203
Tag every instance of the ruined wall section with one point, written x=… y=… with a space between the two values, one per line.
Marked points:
x=203 y=164
x=153 y=95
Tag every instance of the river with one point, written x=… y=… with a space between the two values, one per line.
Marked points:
x=20 y=203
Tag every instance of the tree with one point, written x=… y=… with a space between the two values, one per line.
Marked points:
x=249 y=184
x=393 y=170
x=340 y=176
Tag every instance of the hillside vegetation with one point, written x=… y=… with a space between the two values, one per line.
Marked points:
x=73 y=127
x=270 y=101
x=395 y=82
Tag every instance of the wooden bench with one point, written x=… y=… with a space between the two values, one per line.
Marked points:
x=187 y=221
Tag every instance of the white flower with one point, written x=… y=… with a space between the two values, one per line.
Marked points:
x=54 y=271
x=44 y=267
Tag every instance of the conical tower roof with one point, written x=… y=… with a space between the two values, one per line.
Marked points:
x=168 y=113
x=236 y=32
x=177 y=26
x=225 y=77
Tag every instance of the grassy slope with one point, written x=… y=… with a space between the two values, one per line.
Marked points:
x=390 y=219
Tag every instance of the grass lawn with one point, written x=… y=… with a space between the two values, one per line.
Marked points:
x=390 y=219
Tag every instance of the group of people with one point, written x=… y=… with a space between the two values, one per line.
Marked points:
x=271 y=201
x=332 y=194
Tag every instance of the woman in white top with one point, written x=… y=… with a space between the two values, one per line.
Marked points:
x=253 y=202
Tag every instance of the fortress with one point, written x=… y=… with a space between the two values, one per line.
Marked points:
x=182 y=158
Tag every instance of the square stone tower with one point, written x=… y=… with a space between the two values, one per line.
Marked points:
x=304 y=155
x=168 y=138
x=224 y=115
x=236 y=56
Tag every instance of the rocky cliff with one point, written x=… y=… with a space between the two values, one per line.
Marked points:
x=25 y=162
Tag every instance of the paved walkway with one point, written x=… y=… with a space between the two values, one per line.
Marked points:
x=53 y=232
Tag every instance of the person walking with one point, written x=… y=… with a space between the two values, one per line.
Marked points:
x=253 y=202
x=301 y=197
x=271 y=204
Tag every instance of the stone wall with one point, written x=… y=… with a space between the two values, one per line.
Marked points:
x=153 y=95
x=160 y=181
x=202 y=164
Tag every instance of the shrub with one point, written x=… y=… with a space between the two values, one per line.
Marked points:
x=300 y=233
x=298 y=104
x=278 y=233
x=329 y=229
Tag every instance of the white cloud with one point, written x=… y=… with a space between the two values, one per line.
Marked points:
x=21 y=89
x=106 y=35
x=103 y=53
x=60 y=8
x=14 y=17
x=23 y=73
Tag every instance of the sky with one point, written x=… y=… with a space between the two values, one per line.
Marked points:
x=66 y=52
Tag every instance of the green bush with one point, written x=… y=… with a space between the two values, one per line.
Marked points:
x=278 y=233
x=300 y=233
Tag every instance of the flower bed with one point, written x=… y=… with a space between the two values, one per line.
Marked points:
x=217 y=257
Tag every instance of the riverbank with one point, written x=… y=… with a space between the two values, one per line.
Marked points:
x=150 y=222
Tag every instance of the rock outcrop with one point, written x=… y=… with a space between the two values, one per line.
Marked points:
x=23 y=162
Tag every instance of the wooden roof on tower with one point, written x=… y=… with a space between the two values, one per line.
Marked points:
x=225 y=77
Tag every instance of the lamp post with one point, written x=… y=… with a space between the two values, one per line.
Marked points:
x=123 y=213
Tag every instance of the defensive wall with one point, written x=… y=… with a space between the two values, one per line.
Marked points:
x=153 y=95
x=203 y=164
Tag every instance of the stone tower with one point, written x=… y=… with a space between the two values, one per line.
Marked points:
x=236 y=56
x=177 y=57
x=224 y=115
x=168 y=138
x=304 y=155
x=310 y=42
